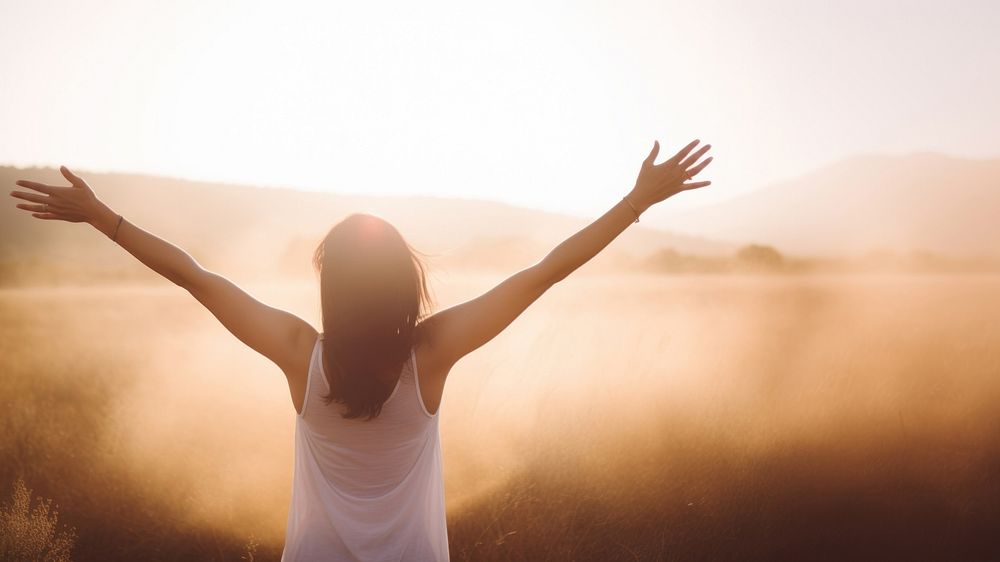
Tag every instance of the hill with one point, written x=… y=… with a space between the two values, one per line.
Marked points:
x=271 y=232
x=917 y=202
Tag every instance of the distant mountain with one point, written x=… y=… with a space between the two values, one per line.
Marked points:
x=272 y=231
x=917 y=202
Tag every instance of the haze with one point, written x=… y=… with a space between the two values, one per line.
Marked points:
x=800 y=361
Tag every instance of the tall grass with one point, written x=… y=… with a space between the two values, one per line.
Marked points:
x=633 y=418
x=32 y=534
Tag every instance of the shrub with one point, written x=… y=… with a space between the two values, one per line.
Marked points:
x=758 y=256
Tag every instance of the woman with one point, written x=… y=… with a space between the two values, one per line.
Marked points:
x=367 y=481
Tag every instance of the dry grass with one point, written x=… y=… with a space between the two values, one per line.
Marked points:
x=634 y=418
x=28 y=534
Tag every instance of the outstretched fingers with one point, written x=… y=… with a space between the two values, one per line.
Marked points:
x=72 y=178
x=694 y=157
x=34 y=198
x=694 y=171
x=683 y=152
x=34 y=208
x=695 y=184
x=40 y=187
x=652 y=153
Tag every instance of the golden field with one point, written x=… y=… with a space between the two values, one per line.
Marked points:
x=633 y=417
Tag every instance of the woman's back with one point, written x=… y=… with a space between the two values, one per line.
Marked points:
x=366 y=489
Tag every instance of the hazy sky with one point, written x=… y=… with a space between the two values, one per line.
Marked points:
x=544 y=104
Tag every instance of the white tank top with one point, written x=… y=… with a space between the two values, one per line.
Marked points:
x=366 y=490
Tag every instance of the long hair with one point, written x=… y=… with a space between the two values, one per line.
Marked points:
x=373 y=292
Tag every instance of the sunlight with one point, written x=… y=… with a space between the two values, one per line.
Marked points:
x=548 y=105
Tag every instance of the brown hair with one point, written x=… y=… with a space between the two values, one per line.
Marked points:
x=373 y=292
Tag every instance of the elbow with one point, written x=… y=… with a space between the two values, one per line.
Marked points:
x=188 y=276
x=179 y=280
x=549 y=274
x=559 y=275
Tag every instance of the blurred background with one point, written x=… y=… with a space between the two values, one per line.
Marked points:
x=800 y=361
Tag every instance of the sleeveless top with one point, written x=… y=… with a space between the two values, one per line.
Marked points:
x=366 y=490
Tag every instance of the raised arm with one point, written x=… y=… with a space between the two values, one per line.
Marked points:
x=459 y=330
x=280 y=336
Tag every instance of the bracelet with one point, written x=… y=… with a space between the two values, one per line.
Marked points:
x=625 y=199
x=117 y=226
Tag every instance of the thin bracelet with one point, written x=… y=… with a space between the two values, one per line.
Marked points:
x=115 y=235
x=625 y=199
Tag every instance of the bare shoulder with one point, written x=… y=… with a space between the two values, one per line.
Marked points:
x=450 y=334
x=464 y=327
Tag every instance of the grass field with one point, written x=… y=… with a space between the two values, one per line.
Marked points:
x=638 y=417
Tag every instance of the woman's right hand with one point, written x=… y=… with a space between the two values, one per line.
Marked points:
x=76 y=202
x=657 y=182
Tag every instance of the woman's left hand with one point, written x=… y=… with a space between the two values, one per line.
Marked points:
x=74 y=203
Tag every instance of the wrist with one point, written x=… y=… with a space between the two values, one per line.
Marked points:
x=637 y=203
x=104 y=219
